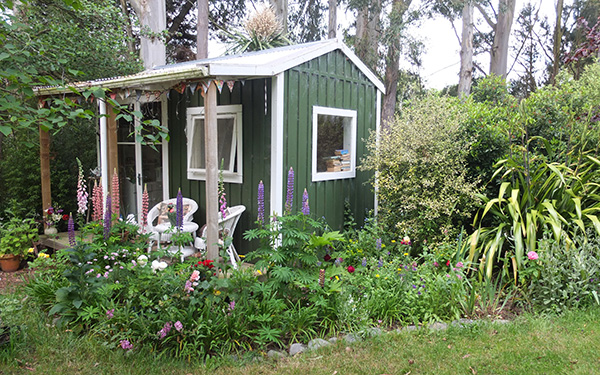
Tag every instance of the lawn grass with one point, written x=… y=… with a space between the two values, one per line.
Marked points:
x=531 y=344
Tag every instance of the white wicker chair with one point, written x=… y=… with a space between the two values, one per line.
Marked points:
x=155 y=212
x=226 y=225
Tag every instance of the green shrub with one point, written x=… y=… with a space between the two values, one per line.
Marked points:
x=567 y=276
x=423 y=186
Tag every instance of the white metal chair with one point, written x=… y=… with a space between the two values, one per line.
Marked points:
x=226 y=228
x=157 y=220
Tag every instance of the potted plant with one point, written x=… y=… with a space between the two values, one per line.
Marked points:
x=17 y=237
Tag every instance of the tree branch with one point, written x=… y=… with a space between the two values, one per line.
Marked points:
x=485 y=16
x=183 y=12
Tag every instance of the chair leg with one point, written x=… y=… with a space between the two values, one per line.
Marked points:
x=232 y=257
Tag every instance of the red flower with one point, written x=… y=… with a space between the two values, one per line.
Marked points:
x=327 y=258
x=448 y=263
x=207 y=263
x=65 y=217
x=350 y=269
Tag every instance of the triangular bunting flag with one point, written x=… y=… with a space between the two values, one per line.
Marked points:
x=122 y=94
x=113 y=95
x=243 y=81
x=180 y=88
x=148 y=93
x=138 y=95
x=127 y=93
x=193 y=86
x=219 y=85
x=41 y=103
x=157 y=95
x=230 y=84
x=168 y=94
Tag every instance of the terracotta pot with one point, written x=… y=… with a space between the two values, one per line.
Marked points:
x=10 y=263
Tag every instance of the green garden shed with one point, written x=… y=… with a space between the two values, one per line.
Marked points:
x=309 y=106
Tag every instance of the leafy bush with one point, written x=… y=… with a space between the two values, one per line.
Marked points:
x=568 y=276
x=423 y=187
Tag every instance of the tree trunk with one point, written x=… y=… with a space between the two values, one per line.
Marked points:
x=152 y=15
x=202 y=30
x=332 y=29
x=128 y=28
x=557 y=41
x=367 y=33
x=466 y=51
x=499 y=52
x=392 y=67
x=281 y=11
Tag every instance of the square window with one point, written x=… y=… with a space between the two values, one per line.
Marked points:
x=229 y=142
x=334 y=144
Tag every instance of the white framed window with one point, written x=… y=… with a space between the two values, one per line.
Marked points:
x=229 y=124
x=334 y=143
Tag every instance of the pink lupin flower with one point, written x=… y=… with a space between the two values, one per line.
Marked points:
x=145 y=200
x=97 y=202
x=115 y=194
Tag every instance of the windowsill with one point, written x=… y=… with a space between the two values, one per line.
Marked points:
x=329 y=176
x=229 y=177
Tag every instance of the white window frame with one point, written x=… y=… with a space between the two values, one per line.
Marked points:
x=349 y=143
x=223 y=111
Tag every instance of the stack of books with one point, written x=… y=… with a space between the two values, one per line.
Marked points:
x=340 y=162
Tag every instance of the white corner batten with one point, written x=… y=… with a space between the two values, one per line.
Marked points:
x=377 y=139
x=103 y=149
x=277 y=105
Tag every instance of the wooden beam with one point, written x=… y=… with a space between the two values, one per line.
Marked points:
x=212 y=173
x=45 y=169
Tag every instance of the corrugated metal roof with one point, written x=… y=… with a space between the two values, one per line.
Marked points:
x=264 y=63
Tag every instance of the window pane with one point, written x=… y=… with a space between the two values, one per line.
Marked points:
x=197 y=158
x=125 y=129
x=330 y=138
x=225 y=143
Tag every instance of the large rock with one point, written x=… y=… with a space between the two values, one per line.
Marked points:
x=315 y=344
x=297 y=348
x=351 y=338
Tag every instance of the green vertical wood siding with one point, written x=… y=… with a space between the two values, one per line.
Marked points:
x=330 y=80
x=256 y=135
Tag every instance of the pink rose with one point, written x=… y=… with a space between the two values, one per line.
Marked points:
x=195 y=276
x=532 y=255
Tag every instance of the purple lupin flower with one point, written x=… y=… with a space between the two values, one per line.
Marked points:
x=364 y=262
x=305 y=206
x=71 y=230
x=378 y=244
x=261 y=203
x=380 y=263
x=179 y=211
x=290 y=191
x=107 y=218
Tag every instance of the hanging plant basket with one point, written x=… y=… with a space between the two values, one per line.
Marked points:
x=10 y=263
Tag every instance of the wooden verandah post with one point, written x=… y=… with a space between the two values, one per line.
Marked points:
x=45 y=169
x=212 y=174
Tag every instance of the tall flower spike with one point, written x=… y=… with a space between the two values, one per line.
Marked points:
x=305 y=206
x=145 y=200
x=115 y=194
x=71 y=229
x=261 y=203
x=107 y=218
x=97 y=201
x=82 y=194
x=290 y=191
x=179 y=211
x=221 y=193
